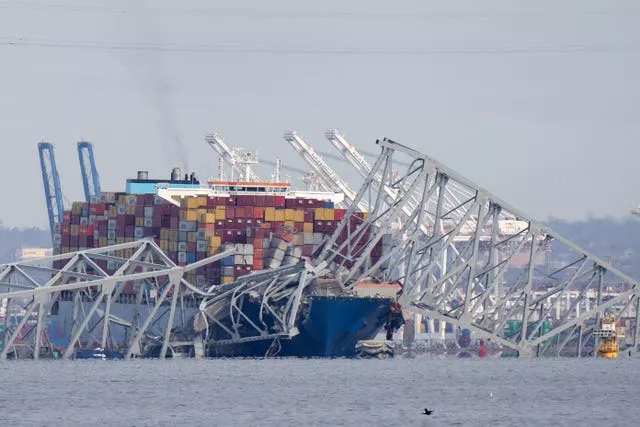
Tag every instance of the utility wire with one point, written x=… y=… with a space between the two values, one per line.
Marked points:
x=353 y=51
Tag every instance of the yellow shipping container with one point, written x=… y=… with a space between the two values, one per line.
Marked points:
x=365 y=215
x=131 y=209
x=270 y=214
x=102 y=241
x=174 y=235
x=279 y=216
x=318 y=214
x=113 y=212
x=227 y=279
x=193 y=203
x=328 y=214
x=164 y=245
x=202 y=201
x=209 y=233
x=289 y=215
x=215 y=241
x=192 y=215
x=210 y=218
x=119 y=240
x=220 y=213
x=290 y=224
x=307 y=227
x=139 y=222
x=173 y=246
x=298 y=216
x=192 y=236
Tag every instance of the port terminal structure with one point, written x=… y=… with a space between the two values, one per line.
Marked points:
x=461 y=255
x=164 y=301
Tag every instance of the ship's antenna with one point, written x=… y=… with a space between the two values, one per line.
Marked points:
x=277 y=169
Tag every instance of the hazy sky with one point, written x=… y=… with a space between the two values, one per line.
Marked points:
x=537 y=101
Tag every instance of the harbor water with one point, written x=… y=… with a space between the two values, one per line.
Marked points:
x=296 y=392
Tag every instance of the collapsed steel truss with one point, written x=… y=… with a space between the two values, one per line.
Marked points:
x=164 y=309
x=279 y=293
x=441 y=238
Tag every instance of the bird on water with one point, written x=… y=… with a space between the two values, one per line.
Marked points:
x=427 y=412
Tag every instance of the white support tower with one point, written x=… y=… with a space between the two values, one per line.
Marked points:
x=239 y=161
x=330 y=178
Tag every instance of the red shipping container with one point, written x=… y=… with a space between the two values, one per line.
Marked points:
x=191 y=246
x=298 y=226
x=65 y=229
x=338 y=214
x=258 y=264
x=269 y=201
x=96 y=209
x=239 y=212
x=248 y=212
x=258 y=212
x=278 y=201
x=318 y=226
x=258 y=252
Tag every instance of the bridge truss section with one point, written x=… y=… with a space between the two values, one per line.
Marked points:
x=276 y=294
x=39 y=288
x=467 y=257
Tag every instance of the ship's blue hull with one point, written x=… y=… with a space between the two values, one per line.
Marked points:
x=329 y=327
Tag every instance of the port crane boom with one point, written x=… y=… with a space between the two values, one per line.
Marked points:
x=90 y=178
x=51 y=182
x=330 y=178
x=239 y=162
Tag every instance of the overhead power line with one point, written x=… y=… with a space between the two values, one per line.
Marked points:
x=288 y=50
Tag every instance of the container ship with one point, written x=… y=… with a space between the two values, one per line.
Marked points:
x=268 y=224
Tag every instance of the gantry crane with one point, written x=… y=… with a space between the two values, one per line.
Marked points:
x=330 y=178
x=52 y=189
x=240 y=162
x=90 y=178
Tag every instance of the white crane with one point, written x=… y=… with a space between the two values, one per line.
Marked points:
x=330 y=178
x=239 y=161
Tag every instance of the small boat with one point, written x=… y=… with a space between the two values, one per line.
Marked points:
x=609 y=347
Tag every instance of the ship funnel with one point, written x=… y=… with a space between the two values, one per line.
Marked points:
x=143 y=175
x=176 y=174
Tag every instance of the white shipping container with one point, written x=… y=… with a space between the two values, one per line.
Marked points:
x=138 y=232
x=182 y=247
x=148 y=222
x=148 y=211
x=307 y=239
x=182 y=257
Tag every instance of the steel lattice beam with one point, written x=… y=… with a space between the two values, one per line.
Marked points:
x=430 y=213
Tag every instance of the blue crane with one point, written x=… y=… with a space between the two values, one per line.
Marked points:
x=90 y=179
x=51 y=181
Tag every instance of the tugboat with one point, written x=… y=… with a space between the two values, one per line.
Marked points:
x=609 y=347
